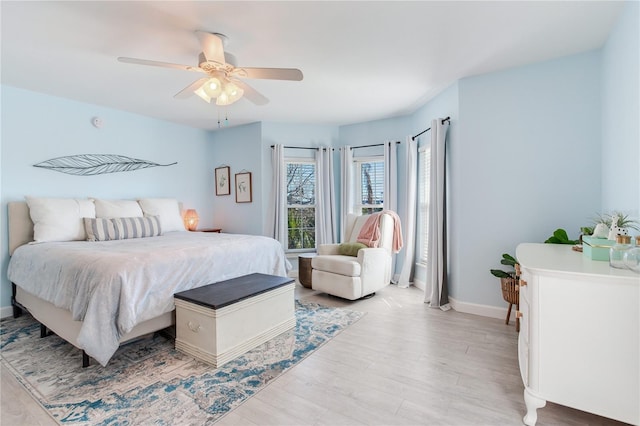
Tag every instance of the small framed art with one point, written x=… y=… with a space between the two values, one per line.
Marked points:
x=223 y=177
x=243 y=187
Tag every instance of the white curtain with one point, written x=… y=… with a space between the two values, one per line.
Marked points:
x=391 y=190
x=408 y=218
x=437 y=293
x=325 y=198
x=346 y=185
x=391 y=176
x=278 y=219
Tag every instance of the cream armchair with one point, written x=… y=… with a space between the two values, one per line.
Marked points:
x=352 y=277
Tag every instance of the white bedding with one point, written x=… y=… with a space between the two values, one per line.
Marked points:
x=113 y=285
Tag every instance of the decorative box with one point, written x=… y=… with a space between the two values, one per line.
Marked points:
x=596 y=248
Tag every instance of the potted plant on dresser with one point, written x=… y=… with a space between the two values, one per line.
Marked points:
x=509 y=281
x=607 y=227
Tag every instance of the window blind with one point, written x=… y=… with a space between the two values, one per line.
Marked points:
x=424 y=171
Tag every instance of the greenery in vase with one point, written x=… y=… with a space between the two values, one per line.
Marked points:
x=624 y=221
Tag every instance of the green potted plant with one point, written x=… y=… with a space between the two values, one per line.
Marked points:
x=509 y=284
x=623 y=222
x=604 y=222
x=560 y=237
x=508 y=260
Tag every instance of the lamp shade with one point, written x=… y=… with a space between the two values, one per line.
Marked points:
x=191 y=219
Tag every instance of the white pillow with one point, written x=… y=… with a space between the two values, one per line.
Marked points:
x=59 y=219
x=168 y=210
x=117 y=208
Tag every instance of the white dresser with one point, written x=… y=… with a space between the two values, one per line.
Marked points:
x=579 y=342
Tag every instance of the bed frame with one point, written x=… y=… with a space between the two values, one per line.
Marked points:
x=50 y=317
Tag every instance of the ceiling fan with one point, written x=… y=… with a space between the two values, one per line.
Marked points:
x=222 y=82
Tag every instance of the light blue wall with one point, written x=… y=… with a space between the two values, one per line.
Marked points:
x=621 y=114
x=37 y=127
x=248 y=147
x=240 y=149
x=530 y=150
x=528 y=162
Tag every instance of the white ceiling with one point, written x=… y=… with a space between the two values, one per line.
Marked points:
x=361 y=60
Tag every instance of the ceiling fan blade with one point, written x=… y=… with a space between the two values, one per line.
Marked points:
x=212 y=47
x=273 y=73
x=158 y=64
x=250 y=93
x=188 y=91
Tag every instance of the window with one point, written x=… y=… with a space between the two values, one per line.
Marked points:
x=301 y=204
x=424 y=171
x=369 y=184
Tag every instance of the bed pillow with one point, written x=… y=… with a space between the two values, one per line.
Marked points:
x=59 y=219
x=122 y=228
x=168 y=210
x=350 y=249
x=117 y=208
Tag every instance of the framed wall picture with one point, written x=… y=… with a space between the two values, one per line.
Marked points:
x=223 y=180
x=243 y=187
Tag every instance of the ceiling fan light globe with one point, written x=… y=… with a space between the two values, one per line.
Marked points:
x=237 y=94
x=233 y=92
x=231 y=89
x=202 y=94
x=223 y=99
x=212 y=88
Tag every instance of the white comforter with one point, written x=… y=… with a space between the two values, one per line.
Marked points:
x=113 y=285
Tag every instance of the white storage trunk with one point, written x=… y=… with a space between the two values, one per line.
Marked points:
x=219 y=322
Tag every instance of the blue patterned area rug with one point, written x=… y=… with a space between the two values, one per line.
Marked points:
x=148 y=381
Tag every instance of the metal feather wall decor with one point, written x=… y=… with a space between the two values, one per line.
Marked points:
x=96 y=164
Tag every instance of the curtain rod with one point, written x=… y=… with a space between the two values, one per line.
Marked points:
x=413 y=138
x=369 y=146
x=304 y=147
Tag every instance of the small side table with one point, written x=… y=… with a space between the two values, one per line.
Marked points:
x=218 y=230
x=304 y=268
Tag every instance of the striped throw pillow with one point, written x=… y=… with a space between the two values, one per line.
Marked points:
x=121 y=228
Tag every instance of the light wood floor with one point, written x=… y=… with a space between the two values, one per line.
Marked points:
x=403 y=363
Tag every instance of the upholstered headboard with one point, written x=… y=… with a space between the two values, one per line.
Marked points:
x=20 y=225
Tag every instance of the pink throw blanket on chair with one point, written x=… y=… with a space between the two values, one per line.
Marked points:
x=370 y=232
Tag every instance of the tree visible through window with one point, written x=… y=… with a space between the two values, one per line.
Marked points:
x=370 y=191
x=301 y=205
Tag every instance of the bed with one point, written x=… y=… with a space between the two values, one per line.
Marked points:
x=99 y=294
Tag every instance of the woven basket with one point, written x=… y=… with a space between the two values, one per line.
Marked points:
x=510 y=292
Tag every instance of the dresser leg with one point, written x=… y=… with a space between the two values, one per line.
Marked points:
x=533 y=403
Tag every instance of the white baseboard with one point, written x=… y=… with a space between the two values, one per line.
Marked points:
x=474 y=308
x=482 y=310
